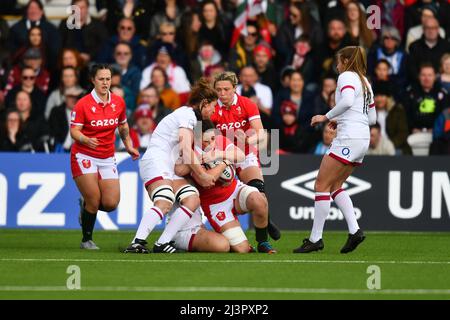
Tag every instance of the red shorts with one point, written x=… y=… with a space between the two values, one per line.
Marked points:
x=82 y=164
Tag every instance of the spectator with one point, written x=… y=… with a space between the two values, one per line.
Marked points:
x=430 y=48
x=168 y=96
x=28 y=84
x=11 y=133
x=169 y=11
x=337 y=38
x=336 y=10
x=301 y=98
x=213 y=28
x=444 y=77
x=5 y=59
x=302 y=59
x=416 y=32
x=59 y=120
x=127 y=94
x=88 y=38
x=293 y=137
x=34 y=16
x=389 y=49
x=207 y=56
x=176 y=75
x=34 y=41
x=440 y=9
x=35 y=129
x=138 y=11
x=212 y=71
x=263 y=98
x=391 y=117
x=144 y=125
x=72 y=58
x=379 y=145
x=321 y=104
x=262 y=55
x=242 y=54
x=167 y=36
x=126 y=32
x=441 y=134
x=69 y=80
x=426 y=100
x=300 y=22
x=188 y=33
x=131 y=75
x=392 y=14
x=356 y=23
x=149 y=97
x=328 y=134
x=33 y=59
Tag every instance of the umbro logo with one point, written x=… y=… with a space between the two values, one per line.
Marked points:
x=304 y=185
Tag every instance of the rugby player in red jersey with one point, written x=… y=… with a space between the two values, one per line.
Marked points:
x=227 y=199
x=94 y=120
x=241 y=116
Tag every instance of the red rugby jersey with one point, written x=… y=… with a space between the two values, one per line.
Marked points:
x=99 y=120
x=238 y=116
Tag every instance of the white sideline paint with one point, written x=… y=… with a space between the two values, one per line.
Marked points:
x=223 y=261
x=228 y=289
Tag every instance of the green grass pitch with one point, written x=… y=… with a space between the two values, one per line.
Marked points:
x=34 y=263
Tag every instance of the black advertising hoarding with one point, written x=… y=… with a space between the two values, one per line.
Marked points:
x=388 y=193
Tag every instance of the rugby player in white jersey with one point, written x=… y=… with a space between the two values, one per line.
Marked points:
x=172 y=138
x=353 y=114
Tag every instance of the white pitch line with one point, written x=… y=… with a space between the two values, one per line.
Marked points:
x=221 y=261
x=226 y=290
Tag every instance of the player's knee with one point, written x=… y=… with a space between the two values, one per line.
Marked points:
x=191 y=202
x=163 y=198
x=164 y=206
x=321 y=186
x=241 y=248
x=188 y=196
x=258 y=184
x=109 y=205
x=92 y=204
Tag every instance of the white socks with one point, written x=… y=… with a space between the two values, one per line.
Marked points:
x=345 y=204
x=148 y=222
x=321 y=210
x=178 y=219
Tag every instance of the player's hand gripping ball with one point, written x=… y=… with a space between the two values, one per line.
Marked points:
x=227 y=175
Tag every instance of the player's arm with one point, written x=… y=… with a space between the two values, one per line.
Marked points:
x=259 y=135
x=233 y=154
x=188 y=156
x=215 y=172
x=77 y=135
x=124 y=132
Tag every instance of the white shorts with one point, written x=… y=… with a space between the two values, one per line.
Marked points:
x=251 y=160
x=185 y=238
x=349 y=151
x=82 y=164
x=157 y=166
x=219 y=214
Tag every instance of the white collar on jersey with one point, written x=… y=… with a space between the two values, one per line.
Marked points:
x=97 y=98
x=235 y=99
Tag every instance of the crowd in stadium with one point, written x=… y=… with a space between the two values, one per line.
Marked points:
x=284 y=56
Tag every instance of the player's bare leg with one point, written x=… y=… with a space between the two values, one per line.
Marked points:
x=236 y=237
x=250 y=200
x=209 y=241
x=250 y=176
x=88 y=185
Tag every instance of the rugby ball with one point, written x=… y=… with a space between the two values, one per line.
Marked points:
x=227 y=174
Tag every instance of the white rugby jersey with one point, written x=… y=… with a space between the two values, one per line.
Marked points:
x=165 y=138
x=353 y=112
